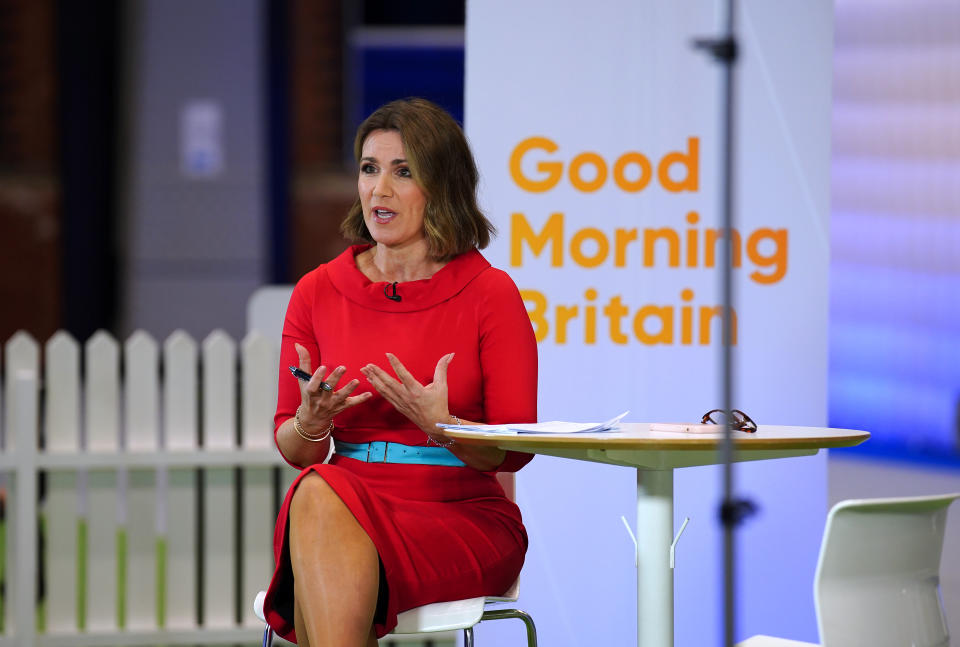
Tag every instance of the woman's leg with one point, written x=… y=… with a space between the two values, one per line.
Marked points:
x=302 y=639
x=335 y=566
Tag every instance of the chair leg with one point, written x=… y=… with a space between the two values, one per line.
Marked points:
x=468 y=637
x=499 y=614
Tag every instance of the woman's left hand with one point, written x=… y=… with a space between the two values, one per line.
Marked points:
x=424 y=405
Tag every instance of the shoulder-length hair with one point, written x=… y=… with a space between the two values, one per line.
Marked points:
x=442 y=166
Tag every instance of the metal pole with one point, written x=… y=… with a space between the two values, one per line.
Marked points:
x=726 y=201
x=732 y=510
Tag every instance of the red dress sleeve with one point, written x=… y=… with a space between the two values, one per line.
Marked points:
x=508 y=359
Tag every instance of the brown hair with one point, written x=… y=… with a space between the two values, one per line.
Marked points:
x=444 y=169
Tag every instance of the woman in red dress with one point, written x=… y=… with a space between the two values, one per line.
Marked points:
x=412 y=329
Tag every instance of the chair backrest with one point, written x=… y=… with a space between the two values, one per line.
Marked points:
x=508 y=481
x=878 y=577
x=266 y=309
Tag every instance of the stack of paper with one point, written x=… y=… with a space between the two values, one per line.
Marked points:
x=555 y=427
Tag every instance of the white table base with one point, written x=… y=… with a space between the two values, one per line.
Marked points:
x=654 y=574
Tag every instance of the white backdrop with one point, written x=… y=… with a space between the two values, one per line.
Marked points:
x=595 y=126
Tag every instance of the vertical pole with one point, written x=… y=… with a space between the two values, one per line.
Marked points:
x=24 y=586
x=726 y=201
x=724 y=50
x=654 y=575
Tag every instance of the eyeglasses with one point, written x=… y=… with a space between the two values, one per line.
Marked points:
x=741 y=421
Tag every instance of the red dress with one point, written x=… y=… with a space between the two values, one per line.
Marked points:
x=442 y=532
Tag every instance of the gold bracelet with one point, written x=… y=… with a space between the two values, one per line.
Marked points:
x=297 y=427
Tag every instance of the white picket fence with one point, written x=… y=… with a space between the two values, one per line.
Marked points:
x=140 y=487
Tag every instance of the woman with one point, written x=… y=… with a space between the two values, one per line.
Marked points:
x=410 y=330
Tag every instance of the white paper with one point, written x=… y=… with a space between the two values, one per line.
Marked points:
x=686 y=428
x=553 y=427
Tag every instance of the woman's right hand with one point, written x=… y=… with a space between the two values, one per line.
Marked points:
x=318 y=405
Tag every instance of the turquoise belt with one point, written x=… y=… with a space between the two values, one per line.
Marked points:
x=384 y=452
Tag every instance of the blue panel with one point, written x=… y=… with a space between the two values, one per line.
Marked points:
x=395 y=72
x=895 y=355
x=910 y=353
x=900 y=296
x=894 y=409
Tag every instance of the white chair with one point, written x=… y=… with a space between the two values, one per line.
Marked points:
x=448 y=616
x=878 y=577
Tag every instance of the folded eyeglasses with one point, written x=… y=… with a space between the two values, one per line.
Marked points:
x=740 y=421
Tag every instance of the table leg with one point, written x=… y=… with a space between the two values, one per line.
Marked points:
x=654 y=575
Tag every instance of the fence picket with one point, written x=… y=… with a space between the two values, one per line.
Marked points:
x=22 y=360
x=62 y=379
x=219 y=547
x=180 y=391
x=259 y=359
x=142 y=386
x=102 y=426
x=178 y=528
x=219 y=371
x=141 y=430
x=60 y=508
x=22 y=354
x=257 y=520
x=180 y=583
x=141 y=553
x=102 y=381
x=25 y=417
x=101 y=599
x=219 y=514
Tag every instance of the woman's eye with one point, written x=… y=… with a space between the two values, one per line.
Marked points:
x=403 y=171
x=368 y=168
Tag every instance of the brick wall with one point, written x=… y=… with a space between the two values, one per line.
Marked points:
x=29 y=187
x=322 y=187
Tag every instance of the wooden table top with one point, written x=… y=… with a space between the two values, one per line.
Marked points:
x=637 y=436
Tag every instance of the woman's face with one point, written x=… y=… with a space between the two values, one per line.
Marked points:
x=393 y=203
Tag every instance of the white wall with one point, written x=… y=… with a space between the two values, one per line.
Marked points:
x=614 y=77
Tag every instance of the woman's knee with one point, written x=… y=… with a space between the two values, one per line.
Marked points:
x=314 y=496
x=317 y=508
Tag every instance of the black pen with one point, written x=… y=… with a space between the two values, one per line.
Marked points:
x=306 y=377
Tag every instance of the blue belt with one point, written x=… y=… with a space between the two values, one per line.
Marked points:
x=384 y=452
